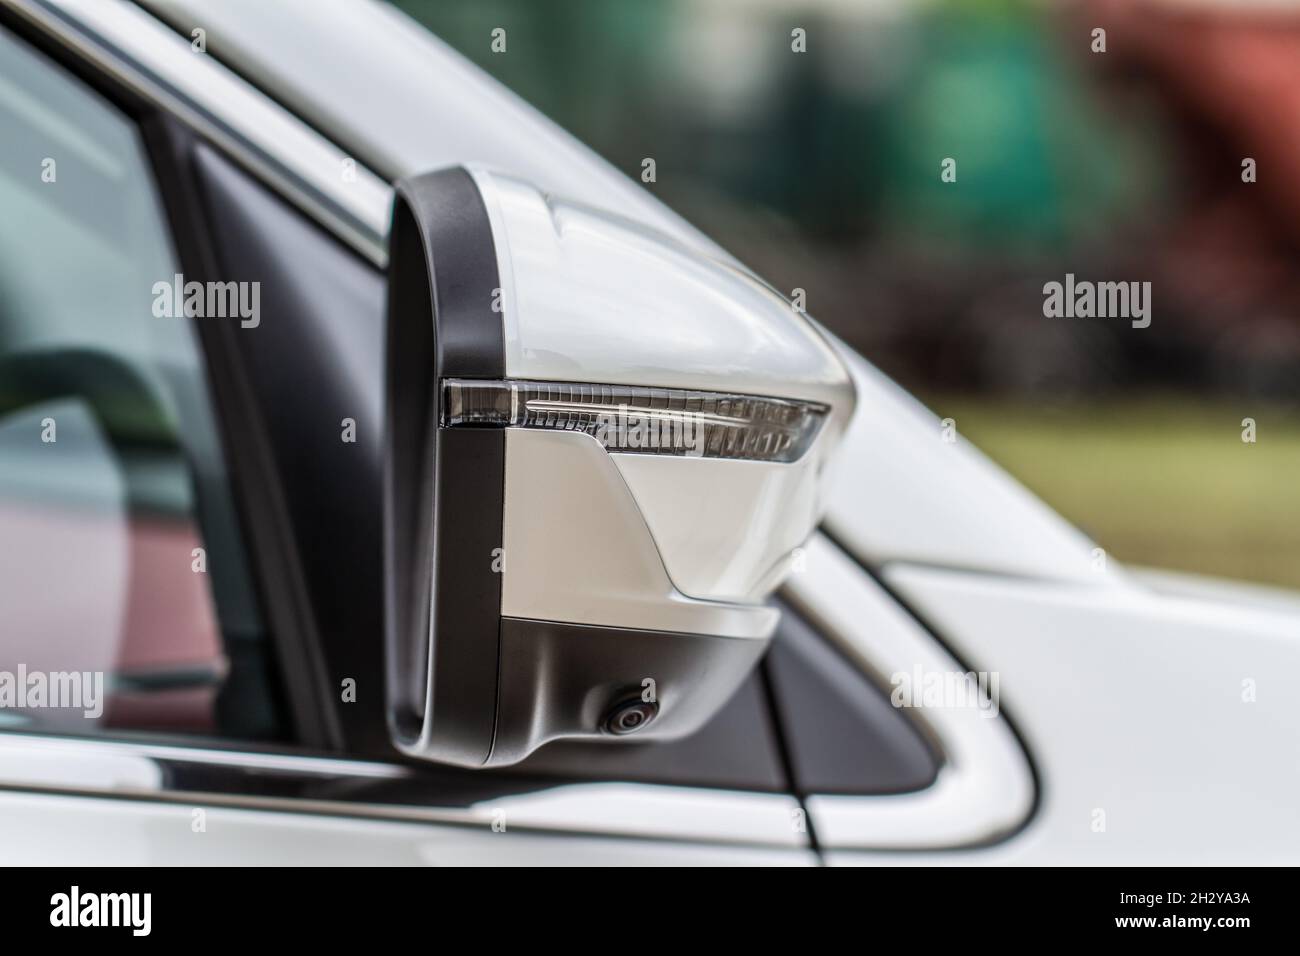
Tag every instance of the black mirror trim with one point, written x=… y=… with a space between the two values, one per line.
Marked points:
x=444 y=486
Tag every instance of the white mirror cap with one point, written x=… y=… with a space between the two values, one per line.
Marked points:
x=588 y=296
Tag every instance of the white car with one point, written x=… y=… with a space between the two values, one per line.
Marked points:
x=312 y=552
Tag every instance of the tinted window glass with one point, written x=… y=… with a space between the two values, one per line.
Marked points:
x=124 y=600
x=843 y=734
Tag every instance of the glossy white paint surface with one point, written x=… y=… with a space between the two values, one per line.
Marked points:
x=1131 y=702
x=577 y=548
x=679 y=813
x=48 y=830
x=985 y=787
x=902 y=493
x=727 y=530
x=591 y=297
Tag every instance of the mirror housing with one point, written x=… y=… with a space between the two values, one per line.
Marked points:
x=602 y=452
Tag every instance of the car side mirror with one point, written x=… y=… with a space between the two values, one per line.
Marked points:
x=603 y=451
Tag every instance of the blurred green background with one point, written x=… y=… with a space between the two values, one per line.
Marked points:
x=821 y=170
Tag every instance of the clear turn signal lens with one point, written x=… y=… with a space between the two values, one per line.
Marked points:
x=648 y=421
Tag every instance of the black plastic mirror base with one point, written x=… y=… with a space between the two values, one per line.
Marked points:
x=569 y=680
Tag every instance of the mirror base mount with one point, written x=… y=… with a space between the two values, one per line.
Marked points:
x=569 y=680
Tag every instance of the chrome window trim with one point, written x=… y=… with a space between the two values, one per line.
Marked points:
x=985 y=789
x=275 y=146
x=197 y=776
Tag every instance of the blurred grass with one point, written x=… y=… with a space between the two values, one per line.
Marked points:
x=1157 y=481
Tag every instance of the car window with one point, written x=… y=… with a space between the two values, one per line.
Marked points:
x=843 y=732
x=124 y=600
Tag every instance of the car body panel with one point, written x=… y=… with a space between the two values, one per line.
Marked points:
x=1163 y=728
x=38 y=829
